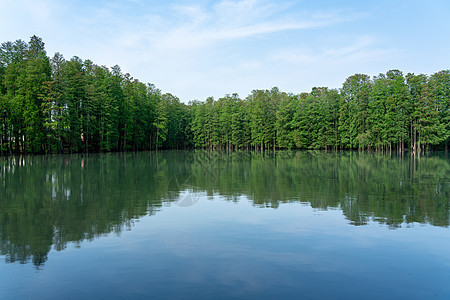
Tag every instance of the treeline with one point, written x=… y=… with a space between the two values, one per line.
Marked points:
x=53 y=105
x=389 y=112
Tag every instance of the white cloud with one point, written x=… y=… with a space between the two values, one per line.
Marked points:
x=198 y=50
x=362 y=46
x=195 y=50
x=227 y=20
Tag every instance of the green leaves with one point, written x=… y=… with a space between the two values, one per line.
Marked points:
x=54 y=105
x=389 y=112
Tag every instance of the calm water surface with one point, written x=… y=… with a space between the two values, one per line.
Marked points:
x=193 y=225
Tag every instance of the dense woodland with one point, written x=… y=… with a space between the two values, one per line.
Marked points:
x=54 y=105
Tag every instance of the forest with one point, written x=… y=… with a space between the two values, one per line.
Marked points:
x=54 y=105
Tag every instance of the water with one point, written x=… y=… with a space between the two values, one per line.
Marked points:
x=195 y=225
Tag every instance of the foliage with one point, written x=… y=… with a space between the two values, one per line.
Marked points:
x=57 y=105
x=70 y=106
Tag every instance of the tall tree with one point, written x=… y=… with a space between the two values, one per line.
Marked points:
x=160 y=122
x=30 y=88
x=353 y=116
x=416 y=84
x=439 y=85
x=13 y=58
x=75 y=94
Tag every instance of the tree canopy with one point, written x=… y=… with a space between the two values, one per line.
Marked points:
x=54 y=105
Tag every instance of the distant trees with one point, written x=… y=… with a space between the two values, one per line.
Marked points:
x=389 y=112
x=57 y=105
x=24 y=69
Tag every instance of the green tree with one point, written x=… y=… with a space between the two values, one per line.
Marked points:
x=428 y=126
x=283 y=121
x=263 y=106
x=353 y=115
x=416 y=84
x=439 y=85
x=160 y=122
x=30 y=86
x=198 y=124
x=74 y=95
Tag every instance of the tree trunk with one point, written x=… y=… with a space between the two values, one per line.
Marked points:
x=156 y=144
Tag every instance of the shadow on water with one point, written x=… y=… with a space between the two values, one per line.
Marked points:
x=49 y=201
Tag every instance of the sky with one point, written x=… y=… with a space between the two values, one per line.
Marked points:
x=197 y=49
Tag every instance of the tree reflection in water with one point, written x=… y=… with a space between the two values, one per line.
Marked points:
x=50 y=201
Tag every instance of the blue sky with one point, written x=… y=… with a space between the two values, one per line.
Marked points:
x=196 y=49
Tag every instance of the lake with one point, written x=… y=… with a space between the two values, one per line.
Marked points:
x=202 y=225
